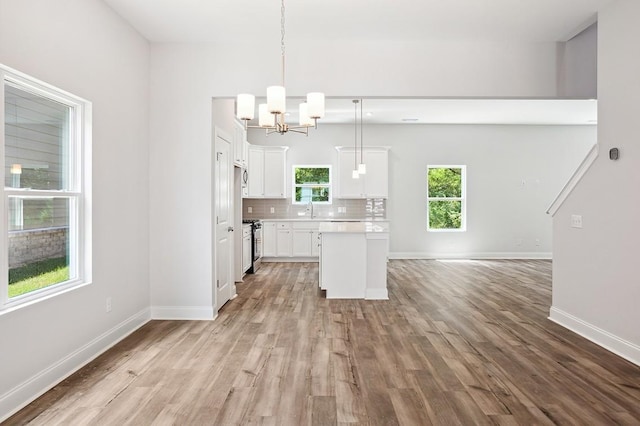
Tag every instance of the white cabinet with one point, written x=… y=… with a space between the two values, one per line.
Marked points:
x=274 y=172
x=305 y=239
x=267 y=171
x=373 y=184
x=240 y=145
x=269 y=239
x=291 y=239
x=246 y=247
x=283 y=239
x=353 y=260
x=255 y=170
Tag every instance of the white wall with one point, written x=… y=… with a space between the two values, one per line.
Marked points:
x=578 y=65
x=596 y=288
x=184 y=78
x=505 y=217
x=81 y=46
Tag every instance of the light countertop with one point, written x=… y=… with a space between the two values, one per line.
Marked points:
x=323 y=219
x=354 y=227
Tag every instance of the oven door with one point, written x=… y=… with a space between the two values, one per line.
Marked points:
x=257 y=242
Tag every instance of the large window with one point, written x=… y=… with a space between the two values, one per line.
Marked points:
x=446 y=198
x=44 y=135
x=311 y=184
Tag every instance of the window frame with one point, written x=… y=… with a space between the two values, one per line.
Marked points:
x=328 y=185
x=78 y=158
x=462 y=198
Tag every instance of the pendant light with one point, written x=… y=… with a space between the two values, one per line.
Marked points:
x=362 y=167
x=355 y=174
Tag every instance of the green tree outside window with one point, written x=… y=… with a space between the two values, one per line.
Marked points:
x=312 y=184
x=445 y=200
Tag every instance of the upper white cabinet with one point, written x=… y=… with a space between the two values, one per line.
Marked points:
x=373 y=184
x=267 y=171
x=255 y=170
x=274 y=172
x=240 y=145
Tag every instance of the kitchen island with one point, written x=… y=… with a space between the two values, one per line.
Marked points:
x=353 y=260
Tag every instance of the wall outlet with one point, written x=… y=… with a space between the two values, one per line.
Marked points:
x=537 y=242
x=342 y=209
x=108 y=304
x=272 y=209
x=249 y=209
x=576 y=221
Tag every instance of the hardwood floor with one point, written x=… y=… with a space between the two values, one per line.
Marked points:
x=458 y=343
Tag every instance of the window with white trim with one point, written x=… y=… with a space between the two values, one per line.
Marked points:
x=446 y=198
x=44 y=135
x=311 y=184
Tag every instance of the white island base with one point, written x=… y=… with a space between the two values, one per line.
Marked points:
x=353 y=260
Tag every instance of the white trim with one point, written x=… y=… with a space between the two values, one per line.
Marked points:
x=462 y=198
x=298 y=259
x=26 y=392
x=77 y=188
x=376 y=294
x=589 y=159
x=329 y=185
x=611 y=342
x=471 y=255
x=195 y=313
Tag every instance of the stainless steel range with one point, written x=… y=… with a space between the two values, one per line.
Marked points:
x=256 y=244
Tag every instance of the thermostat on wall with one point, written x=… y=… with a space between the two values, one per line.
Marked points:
x=614 y=154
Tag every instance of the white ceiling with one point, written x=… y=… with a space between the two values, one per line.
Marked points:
x=258 y=22
x=198 y=21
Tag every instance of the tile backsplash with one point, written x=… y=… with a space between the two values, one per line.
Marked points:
x=371 y=208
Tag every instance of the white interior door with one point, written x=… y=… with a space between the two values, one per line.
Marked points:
x=223 y=218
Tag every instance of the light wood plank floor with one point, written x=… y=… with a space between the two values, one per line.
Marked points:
x=456 y=344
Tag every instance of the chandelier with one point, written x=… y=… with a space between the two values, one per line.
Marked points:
x=271 y=115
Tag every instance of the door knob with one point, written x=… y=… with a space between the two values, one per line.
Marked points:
x=230 y=229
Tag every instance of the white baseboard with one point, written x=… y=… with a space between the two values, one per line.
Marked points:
x=26 y=392
x=376 y=294
x=314 y=259
x=195 y=313
x=611 y=342
x=479 y=255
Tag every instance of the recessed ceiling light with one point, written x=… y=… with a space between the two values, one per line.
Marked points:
x=410 y=119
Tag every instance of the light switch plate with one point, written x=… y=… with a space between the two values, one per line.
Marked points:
x=249 y=209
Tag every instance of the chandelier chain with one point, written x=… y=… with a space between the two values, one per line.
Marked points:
x=282 y=37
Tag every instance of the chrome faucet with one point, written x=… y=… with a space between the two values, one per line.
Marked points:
x=310 y=208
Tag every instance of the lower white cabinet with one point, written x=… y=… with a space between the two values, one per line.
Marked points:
x=246 y=247
x=291 y=239
x=283 y=239
x=305 y=239
x=269 y=239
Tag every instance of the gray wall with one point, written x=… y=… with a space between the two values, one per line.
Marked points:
x=578 y=65
x=596 y=288
x=83 y=47
x=514 y=173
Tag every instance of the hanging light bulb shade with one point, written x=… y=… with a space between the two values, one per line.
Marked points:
x=265 y=118
x=246 y=106
x=303 y=114
x=277 y=100
x=362 y=167
x=315 y=100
